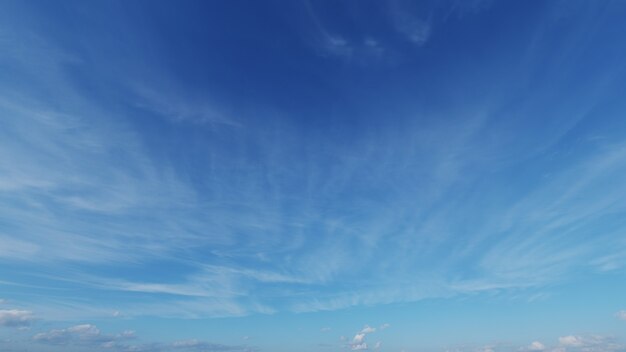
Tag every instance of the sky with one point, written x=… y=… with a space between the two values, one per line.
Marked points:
x=310 y=176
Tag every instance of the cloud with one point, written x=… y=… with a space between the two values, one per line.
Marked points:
x=88 y=335
x=196 y=345
x=325 y=329
x=359 y=346
x=535 y=346
x=15 y=318
x=568 y=343
x=368 y=330
x=358 y=341
x=323 y=41
x=174 y=106
x=621 y=315
x=187 y=346
x=79 y=183
x=358 y=338
x=384 y=326
x=414 y=29
x=589 y=343
x=571 y=341
x=83 y=335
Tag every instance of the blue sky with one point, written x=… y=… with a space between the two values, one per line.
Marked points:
x=313 y=176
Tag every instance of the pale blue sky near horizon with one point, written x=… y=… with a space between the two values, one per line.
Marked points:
x=313 y=176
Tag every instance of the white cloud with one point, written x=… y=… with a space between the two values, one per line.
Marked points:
x=384 y=326
x=83 y=334
x=359 y=346
x=368 y=330
x=589 y=343
x=358 y=341
x=621 y=315
x=15 y=318
x=325 y=329
x=84 y=329
x=186 y=343
x=571 y=341
x=89 y=336
x=536 y=346
x=358 y=338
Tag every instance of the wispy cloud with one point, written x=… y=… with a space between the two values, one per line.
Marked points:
x=171 y=105
x=417 y=31
x=429 y=206
x=366 y=48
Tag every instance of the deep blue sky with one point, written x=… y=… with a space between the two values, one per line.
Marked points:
x=313 y=176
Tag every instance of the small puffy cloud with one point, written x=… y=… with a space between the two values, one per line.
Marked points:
x=127 y=334
x=536 y=346
x=621 y=315
x=377 y=345
x=358 y=341
x=368 y=330
x=359 y=346
x=384 y=326
x=15 y=318
x=84 y=329
x=571 y=341
x=358 y=338
x=588 y=343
